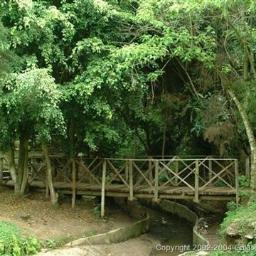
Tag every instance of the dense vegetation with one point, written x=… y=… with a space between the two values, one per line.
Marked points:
x=127 y=78
x=13 y=243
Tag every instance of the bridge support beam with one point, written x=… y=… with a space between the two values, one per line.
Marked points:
x=131 y=197
x=73 y=183
x=104 y=169
x=156 y=180
x=237 y=182
x=196 y=198
x=210 y=169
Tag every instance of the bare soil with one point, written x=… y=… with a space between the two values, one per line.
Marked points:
x=36 y=216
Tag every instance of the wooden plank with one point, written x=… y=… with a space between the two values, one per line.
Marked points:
x=88 y=171
x=142 y=174
x=237 y=182
x=103 y=180
x=156 y=180
x=210 y=169
x=183 y=181
x=127 y=171
x=92 y=162
x=187 y=166
x=177 y=171
x=117 y=173
x=219 y=177
x=131 y=197
x=150 y=161
x=73 y=183
x=141 y=178
x=151 y=188
x=196 y=198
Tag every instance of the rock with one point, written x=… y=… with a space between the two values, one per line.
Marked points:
x=233 y=230
x=249 y=236
x=253 y=224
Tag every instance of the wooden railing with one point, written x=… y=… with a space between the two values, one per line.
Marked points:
x=149 y=178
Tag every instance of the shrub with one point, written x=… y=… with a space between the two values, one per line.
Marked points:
x=12 y=243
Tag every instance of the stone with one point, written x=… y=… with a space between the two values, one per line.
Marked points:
x=253 y=224
x=249 y=236
x=233 y=230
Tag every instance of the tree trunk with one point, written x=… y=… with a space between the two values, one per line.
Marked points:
x=22 y=169
x=25 y=170
x=250 y=136
x=53 y=195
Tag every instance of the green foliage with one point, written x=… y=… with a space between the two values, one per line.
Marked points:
x=14 y=244
x=96 y=211
x=104 y=68
x=49 y=243
x=242 y=216
x=244 y=182
x=29 y=104
x=241 y=251
x=155 y=69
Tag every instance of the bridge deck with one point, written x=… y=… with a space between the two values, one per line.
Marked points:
x=207 y=178
x=211 y=193
x=116 y=188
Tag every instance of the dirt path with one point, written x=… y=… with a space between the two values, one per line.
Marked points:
x=35 y=216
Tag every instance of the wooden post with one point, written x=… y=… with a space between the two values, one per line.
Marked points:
x=103 y=183
x=150 y=168
x=210 y=169
x=176 y=171
x=126 y=171
x=73 y=183
x=156 y=180
x=196 y=198
x=236 y=181
x=130 y=181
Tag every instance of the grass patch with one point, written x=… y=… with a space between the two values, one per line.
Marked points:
x=13 y=243
x=244 y=217
x=57 y=242
x=247 y=251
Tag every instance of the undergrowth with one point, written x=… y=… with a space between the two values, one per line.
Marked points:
x=13 y=243
x=246 y=252
x=243 y=216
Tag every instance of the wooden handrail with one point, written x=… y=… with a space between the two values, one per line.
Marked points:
x=175 y=177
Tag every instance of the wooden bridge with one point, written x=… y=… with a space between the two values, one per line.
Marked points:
x=174 y=178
